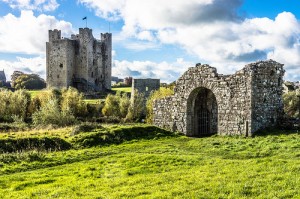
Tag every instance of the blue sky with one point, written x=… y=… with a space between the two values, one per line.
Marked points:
x=157 y=38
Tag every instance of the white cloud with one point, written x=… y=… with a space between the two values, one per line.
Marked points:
x=28 y=33
x=210 y=29
x=41 y=5
x=148 y=69
x=35 y=65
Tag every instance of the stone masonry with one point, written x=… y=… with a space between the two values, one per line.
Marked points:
x=205 y=102
x=81 y=61
x=145 y=86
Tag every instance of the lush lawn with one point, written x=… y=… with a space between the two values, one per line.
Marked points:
x=168 y=167
x=124 y=89
x=94 y=101
x=33 y=93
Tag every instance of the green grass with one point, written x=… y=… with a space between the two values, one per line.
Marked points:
x=34 y=93
x=123 y=89
x=266 y=166
x=94 y=101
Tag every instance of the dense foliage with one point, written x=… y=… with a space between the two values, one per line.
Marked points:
x=120 y=106
x=48 y=107
x=13 y=105
x=19 y=80
x=291 y=104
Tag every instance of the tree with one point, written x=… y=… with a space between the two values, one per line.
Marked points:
x=14 y=76
x=291 y=103
x=137 y=107
x=29 y=81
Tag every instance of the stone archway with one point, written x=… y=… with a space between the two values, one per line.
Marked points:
x=202 y=113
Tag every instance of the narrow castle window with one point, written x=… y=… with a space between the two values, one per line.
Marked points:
x=61 y=65
x=92 y=74
x=57 y=76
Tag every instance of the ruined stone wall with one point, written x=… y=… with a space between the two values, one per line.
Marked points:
x=267 y=104
x=233 y=96
x=145 y=86
x=87 y=61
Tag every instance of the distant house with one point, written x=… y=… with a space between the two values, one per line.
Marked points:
x=2 y=76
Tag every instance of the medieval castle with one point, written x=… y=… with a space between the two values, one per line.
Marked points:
x=81 y=61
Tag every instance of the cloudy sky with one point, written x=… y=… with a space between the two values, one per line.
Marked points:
x=157 y=38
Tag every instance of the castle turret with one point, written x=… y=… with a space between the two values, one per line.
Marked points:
x=54 y=35
x=106 y=38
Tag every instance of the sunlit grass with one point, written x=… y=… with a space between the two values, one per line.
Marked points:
x=174 y=167
x=123 y=89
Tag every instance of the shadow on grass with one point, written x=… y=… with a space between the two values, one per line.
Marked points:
x=267 y=132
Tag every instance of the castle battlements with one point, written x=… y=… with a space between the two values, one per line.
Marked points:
x=80 y=61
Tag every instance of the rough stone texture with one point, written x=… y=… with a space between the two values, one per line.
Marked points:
x=145 y=86
x=81 y=61
x=206 y=102
x=2 y=76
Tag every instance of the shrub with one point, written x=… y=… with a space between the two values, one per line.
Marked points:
x=13 y=104
x=111 y=107
x=136 y=109
x=73 y=101
x=291 y=103
x=161 y=93
x=50 y=113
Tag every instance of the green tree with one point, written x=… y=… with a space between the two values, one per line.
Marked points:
x=29 y=81
x=13 y=104
x=111 y=107
x=73 y=101
x=50 y=113
x=136 y=109
x=291 y=104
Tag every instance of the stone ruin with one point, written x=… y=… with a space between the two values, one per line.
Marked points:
x=81 y=61
x=145 y=86
x=206 y=103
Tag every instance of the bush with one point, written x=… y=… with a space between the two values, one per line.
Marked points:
x=112 y=106
x=136 y=110
x=13 y=104
x=73 y=101
x=291 y=104
x=161 y=93
x=50 y=113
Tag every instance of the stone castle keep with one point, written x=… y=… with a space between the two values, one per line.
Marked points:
x=206 y=102
x=81 y=61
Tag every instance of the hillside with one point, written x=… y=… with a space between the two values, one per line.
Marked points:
x=161 y=166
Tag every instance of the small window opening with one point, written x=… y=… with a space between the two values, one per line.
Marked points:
x=92 y=74
x=57 y=76
x=61 y=65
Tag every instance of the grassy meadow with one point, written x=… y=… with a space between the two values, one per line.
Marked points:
x=140 y=161
x=122 y=89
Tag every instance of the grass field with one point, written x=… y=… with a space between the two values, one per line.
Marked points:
x=123 y=89
x=266 y=166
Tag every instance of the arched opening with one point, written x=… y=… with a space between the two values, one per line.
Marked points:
x=202 y=113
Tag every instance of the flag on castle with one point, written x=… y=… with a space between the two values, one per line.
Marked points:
x=84 y=18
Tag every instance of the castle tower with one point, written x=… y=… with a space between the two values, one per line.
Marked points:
x=82 y=61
